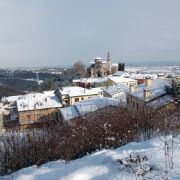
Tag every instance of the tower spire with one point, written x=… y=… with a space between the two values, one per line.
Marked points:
x=109 y=58
x=109 y=63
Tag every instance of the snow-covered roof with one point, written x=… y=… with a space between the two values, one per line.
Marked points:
x=69 y=112
x=142 y=76
x=49 y=93
x=114 y=64
x=84 y=80
x=90 y=80
x=34 y=101
x=157 y=89
x=118 y=92
x=121 y=74
x=96 y=90
x=11 y=98
x=98 y=58
x=116 y=89
x=92 y=62
x=160 y=102
x=94 y=104
x=15 y=98
x=74 y=91
x=118 y=79
x=84 y=107
x=101 y=79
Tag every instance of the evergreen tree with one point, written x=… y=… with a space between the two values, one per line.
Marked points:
x=121 y=67
x=174 y=91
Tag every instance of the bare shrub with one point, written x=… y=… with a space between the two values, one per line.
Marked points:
x=106 y=128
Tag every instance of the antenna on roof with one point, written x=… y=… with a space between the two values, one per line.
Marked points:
x=61 y=87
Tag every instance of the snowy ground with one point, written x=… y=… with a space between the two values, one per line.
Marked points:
x=103 y=165
x=155 y=69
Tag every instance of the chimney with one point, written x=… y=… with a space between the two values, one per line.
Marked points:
x=148 y=82
x=147 y=93
x=132 y=88
x=61 y=87
x=178 y=78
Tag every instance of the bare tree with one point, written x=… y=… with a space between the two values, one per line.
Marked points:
x=79 y=68
x=167 y=128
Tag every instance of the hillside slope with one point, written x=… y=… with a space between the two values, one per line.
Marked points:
x=110 y=164
x=6 y=91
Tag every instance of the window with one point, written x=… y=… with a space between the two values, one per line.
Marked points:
x=133 y=104
x=76 y=99
x=82 y=98
x=28 y=116
x=137 y=105
x=127 y=100
x=99 y=74
x=38 y=115
x=66 y=101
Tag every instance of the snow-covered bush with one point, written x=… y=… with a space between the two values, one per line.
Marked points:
x=106 y=128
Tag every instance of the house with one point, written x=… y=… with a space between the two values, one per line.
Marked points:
x=9 y=110
x=84 y=107
x=98 y=91
x=150 y=95
x=101 y=82
x=38 y=107
x=68 y=113
x=161 y=76
x=102 y=68
x=116 y=92
x=71 y=95
x=140 y=78
x=84 y=82
x=31 y=108
x=114 y=80
x=121 y=74
x=91 y=82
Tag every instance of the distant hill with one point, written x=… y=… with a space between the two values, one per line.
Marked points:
x=5 y=91
x=19 y=84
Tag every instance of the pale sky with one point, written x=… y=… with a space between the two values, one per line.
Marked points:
x=60 y=32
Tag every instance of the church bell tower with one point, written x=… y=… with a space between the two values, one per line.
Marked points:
x=109 y=63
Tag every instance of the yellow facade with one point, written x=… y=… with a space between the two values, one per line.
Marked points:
x=135 y=104
x=73 y=100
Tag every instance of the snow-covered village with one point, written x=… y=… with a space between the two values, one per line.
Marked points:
x=89 y=95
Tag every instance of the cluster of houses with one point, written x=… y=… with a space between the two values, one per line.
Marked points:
x=109 y=87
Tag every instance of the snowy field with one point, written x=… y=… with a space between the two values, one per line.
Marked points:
x=107 y=164
x=155 y=69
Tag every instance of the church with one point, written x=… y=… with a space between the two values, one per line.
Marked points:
x=102 y=68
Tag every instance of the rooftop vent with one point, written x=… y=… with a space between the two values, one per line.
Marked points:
x=148 y=81
x=132 y=88
x=147 y=93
